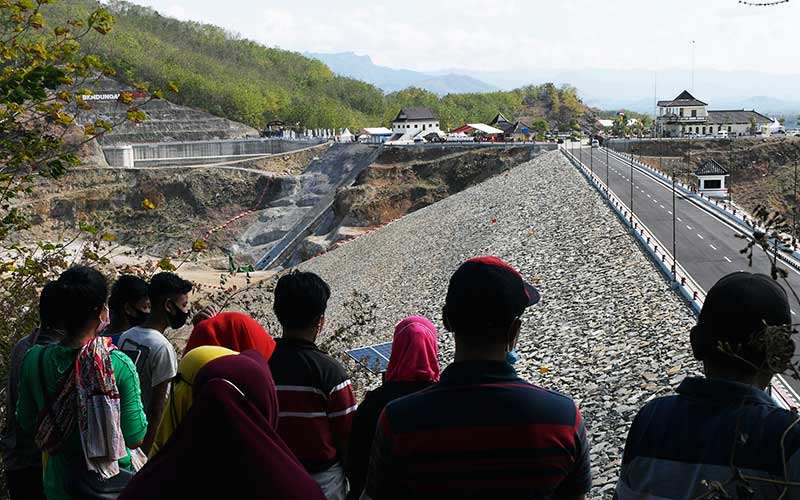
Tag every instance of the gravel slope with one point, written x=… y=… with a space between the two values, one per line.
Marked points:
x=608 y=332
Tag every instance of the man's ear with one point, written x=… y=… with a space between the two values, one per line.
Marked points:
x=104 y=314
x=516 y=326
x=698 y=343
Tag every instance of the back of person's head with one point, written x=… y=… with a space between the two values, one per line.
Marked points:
x=484 y=298
x=300 y=300
x=51 y=307
x=165 y=286
x=128 y=289
x=415 y=352
x=730 y=332
x=84 y=292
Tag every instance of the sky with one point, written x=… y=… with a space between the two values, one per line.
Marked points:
x=511 y=34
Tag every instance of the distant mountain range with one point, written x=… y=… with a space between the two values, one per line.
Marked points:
x=391 y=80
x=637 y=89
x=634 y=89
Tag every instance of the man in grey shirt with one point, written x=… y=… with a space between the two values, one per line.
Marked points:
x=154 y=356
x=21 y=457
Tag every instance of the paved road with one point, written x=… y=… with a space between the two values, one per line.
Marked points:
x=707 y=248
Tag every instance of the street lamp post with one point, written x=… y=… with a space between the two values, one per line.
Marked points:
x=631 y=179
x=608 y=167
x=794 y=207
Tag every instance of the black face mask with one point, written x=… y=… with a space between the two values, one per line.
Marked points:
x=178 y=319
x=137 y=318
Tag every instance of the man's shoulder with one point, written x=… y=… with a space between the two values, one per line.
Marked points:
x=528 y=399
x=145 y=337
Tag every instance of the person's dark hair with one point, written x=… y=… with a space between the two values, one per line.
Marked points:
x=300 y=299
x=745 y=324
x=166 y=285
x=51 y=307
x=83 y=293
x=127 y=289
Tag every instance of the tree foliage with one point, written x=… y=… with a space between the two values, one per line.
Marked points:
x=220 y=72
x=45 y=77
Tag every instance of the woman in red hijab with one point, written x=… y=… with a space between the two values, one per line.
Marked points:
x=236 y=331
x=227 y=446
x=413 y=365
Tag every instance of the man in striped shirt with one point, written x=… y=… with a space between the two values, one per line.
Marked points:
x=315 y=397
x=481 y=432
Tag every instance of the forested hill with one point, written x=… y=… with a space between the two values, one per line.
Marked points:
x=220 y=72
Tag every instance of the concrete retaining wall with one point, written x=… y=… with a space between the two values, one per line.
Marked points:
x=200 y=152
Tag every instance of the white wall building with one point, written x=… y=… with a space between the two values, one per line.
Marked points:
x=413 y=122
x=686 y=115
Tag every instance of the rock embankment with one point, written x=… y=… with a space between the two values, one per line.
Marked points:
x=609 y=331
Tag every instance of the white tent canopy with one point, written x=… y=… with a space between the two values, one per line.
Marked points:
x=486 y=129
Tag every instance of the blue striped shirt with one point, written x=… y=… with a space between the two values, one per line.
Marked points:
x=709 y=434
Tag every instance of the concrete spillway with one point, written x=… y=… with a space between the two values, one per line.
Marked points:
x=294 y=212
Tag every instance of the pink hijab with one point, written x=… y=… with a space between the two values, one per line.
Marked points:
x=414 y=352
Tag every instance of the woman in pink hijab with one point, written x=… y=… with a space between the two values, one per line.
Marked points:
x=413 y=366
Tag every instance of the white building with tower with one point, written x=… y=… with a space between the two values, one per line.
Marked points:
x=685 y=115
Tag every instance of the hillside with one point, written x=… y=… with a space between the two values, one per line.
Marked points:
x=219 y=72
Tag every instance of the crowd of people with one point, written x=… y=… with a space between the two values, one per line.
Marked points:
x=100 y=405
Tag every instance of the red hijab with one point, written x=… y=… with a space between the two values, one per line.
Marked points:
x=227 y=445
x=236 y=331
x=414 y=352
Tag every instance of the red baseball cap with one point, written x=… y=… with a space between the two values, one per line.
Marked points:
x=488 y=291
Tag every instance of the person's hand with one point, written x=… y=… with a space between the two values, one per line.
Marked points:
x=208 y=312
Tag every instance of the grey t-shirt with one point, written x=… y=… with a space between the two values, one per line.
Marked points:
x=153 y=355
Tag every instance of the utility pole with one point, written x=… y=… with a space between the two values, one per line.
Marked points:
x=674 y=216
x=692 y=66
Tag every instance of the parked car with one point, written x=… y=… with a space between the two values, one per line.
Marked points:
x=722 y=134
x=595 y=143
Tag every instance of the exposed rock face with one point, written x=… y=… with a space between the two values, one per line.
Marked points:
x=188 y=203
x=609 y=331
x=406 y=179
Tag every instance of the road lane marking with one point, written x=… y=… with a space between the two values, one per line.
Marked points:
x=669 y=212
x=662 y=206
x=647 y=195
x=688 y=227
x=794 y=312
x=712 y=246
x=729 y=260
x=700 y=236
x=680 y=220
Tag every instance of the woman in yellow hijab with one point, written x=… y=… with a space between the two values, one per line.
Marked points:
x=180 y=398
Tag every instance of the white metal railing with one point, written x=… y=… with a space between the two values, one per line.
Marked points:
x=779 y=389
x=687 y=286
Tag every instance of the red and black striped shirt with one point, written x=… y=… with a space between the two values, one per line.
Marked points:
x=315 y=400
x=482 y=432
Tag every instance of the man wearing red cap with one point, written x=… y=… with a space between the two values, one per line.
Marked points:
x=481 y=432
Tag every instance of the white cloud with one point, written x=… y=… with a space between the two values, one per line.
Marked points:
x=474 y=34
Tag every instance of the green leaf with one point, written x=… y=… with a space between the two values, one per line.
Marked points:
x=88 y=228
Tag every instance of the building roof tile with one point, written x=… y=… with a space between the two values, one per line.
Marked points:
x=711 y=167
x=736 y=116
x=410 y=114
x=684 y=99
